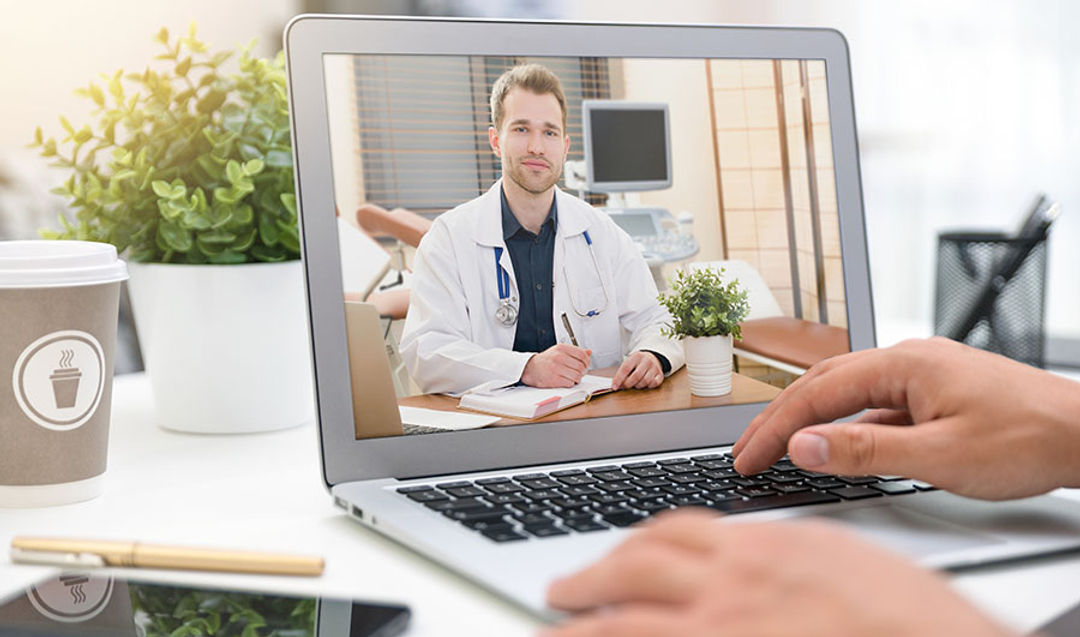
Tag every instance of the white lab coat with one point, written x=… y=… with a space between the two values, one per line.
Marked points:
x=452 y=342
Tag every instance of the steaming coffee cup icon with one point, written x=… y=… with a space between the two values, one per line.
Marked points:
x=65 y=381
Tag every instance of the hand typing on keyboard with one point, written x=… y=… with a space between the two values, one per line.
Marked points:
x=964 y=420
x=685 y=575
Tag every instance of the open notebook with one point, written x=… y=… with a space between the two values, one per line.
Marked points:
x=528 y=403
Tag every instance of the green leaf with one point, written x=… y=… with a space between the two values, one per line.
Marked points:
x=183 y=66
x=211 y=101
x=253 y=167
x=162 y=36
x=67 y=125
x=233 y=171
x=174 y=236
x=83 y=135
x=162 y=189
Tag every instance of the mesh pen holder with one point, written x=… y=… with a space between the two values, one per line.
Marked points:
x=1010 y=318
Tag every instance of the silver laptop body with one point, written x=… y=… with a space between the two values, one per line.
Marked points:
x=363 y=475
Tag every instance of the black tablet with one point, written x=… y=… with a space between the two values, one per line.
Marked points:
x=88 y=604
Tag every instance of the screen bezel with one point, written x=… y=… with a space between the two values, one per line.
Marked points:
x=587 y=109
x=309 y=37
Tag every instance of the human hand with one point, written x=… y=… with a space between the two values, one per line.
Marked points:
x=640 y=370
x=968 y=421
x=560 y=365
x=687 y=574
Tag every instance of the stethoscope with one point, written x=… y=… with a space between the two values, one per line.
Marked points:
x=507 y=312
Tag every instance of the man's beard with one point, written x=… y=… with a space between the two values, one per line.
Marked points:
x=534 y=184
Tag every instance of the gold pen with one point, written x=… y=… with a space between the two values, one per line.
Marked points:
x=71 y=552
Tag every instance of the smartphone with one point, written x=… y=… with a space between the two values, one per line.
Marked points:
x=87 y=604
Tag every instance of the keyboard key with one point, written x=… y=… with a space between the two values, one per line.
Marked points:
x=542 y=494
x=750 y=482
x=529 y=476
x=562 y=473
x=714 y=464
x=501 y=534
x=577 y=480
x=533 y=507
x=651 y=483
x=687 y=501
x=678 y=489
x=473 y=515
x=815 y=474
x=487 y=481
x=508 y=487
x=825 y=483
x=575 y=492
x=545 y=530
x=501 y=499
x=615 y=487
x=721 y=496
x=415 y=488
x=602 y=469
x=463 y=504
x=612 y=476
x=790 y=488
x=894 y=488
x=676 y=469
x=638 y=465
x=575 y=514
x=466 y=492
x=533 y=518
x=687 y=478
x=625 y=518
x=647 y=472
x=652 y=507
x=586 y=526
x=855 y=493
x=858 y=479
x=670 y=461
x=721 y=474
x=542 y=483
x=427 y=496
x=643 y=494
x=454 y=485
x=608 y=509
x=480 y=525
x=609 y=498
x=716 y=485
x=708 y=456
x=755 y=492
x=571 y=503
x=923 y=486
x=775 y=502
x=785 y=478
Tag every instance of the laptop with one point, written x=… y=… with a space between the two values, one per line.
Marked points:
x=763 y=162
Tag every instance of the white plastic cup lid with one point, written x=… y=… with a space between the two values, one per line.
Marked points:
x=47 y=263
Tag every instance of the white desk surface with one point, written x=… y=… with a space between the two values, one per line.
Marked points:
x=265 y=492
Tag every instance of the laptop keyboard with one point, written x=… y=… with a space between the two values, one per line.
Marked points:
x=557 y=503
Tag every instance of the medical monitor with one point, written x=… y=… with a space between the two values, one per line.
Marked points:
x=627 y=147
x=395 y=113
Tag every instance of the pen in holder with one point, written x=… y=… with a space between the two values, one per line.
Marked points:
x=991 y=292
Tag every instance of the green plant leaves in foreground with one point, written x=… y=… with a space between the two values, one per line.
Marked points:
x=701 y=304
x=186 y=164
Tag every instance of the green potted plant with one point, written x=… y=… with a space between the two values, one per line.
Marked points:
x=187 y=170
x=705 y=315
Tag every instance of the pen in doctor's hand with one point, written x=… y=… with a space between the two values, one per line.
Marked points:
x=569 y=330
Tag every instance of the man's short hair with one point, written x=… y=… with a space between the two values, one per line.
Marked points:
x=535 y=78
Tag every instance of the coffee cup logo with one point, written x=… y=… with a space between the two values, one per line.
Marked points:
x=71 y=598
x=59 y=378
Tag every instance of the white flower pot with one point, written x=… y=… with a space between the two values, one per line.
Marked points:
x=708 y=363
x=225 y=346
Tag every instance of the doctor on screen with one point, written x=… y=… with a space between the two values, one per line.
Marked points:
x=495 y=276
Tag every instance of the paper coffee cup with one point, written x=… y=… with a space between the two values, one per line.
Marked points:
x=58 y=309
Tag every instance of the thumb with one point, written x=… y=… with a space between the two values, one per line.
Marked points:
x=855 y=449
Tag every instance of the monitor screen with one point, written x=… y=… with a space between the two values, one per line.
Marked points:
x=626 y=145
x=499 y=266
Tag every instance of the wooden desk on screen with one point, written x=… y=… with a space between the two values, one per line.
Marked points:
x=672 y=395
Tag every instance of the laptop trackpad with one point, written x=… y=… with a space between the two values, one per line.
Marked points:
x=910 y=532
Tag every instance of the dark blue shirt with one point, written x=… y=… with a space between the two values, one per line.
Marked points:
x=533 y=256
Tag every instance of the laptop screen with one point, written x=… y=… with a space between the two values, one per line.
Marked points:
x=535 y=259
